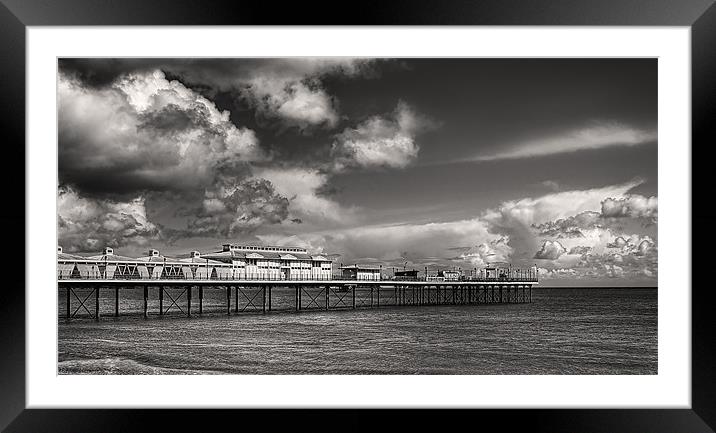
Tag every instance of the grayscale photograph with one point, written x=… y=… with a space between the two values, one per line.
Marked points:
x=357 y=216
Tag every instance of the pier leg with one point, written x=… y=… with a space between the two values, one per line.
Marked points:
x=201 y=299
x=116 y=301
x=188 y=301
x=371 y=296
x=354 y=297
x=296 y=298
x=378 y=288
x=236 y=299
x=530 y=294
x=269 y=297
x=263 y=307
x=300 y=298
x=500 y=294
x=161 y=300
x=328 y=301
x=67 y=301
x=146 y=293
x=228 y=300
x=96 y=303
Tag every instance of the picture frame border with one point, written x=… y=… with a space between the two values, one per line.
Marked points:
x=700 y=15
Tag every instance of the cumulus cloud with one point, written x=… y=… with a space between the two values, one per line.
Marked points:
x=90 y=224
x=144 y=132
x=517 y=219
x=594 y=136
x=630 y=206
x=235 y=208
x=291 y=90
x=381 y=141
x=302 y=188
x=619 y=242
x=487 y=252
x=580 y=249
x=551 y=250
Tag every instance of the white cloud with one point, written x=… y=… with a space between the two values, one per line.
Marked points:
x=301 y=187
x=291 y=90
x=596 y=136
x=551 y=250
x=631 y=206
x=381 y=141
x=90 y=224
x=517 y=218
x=147 y=133
x=484 y=253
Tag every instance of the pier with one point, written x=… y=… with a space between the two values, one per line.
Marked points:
x=263 y=279
x=186 y=297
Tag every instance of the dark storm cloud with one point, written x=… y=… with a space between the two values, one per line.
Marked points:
x=236 y=209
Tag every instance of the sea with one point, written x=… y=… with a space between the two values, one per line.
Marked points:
x=570 y=331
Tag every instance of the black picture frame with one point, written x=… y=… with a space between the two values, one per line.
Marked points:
x=16 y=15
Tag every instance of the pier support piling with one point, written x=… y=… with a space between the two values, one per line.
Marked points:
x=116 y=301
x=188 y=301
x=236 y=299
x=263 y=305
x=201 y=299
x=96 y=303
x=68 y=302
x=161 y=300
x=228 y=300
x=146 y=293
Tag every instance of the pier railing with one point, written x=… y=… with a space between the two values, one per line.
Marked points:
x=293 y=278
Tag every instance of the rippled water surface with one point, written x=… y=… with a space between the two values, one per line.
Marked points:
x=564 y=331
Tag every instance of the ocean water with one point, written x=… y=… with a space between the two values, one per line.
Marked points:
x=563 y=331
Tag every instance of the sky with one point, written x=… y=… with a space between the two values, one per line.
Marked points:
x=435 y=162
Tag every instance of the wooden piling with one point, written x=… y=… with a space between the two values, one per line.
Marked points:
x=146 y=293
x=116 y=301
x=161 y=300
x=96 y=303
x=236 y=299
x=68 y=302
x=328 y=301
x=228 y=300
x=354 y=297
x=201 y=299
x=269 y=297
x=263 y=307
x=188 y=301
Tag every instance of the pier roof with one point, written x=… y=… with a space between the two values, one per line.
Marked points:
x=361 y=267
x=66 y=256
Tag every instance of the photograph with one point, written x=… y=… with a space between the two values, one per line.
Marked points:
x=357 y=216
